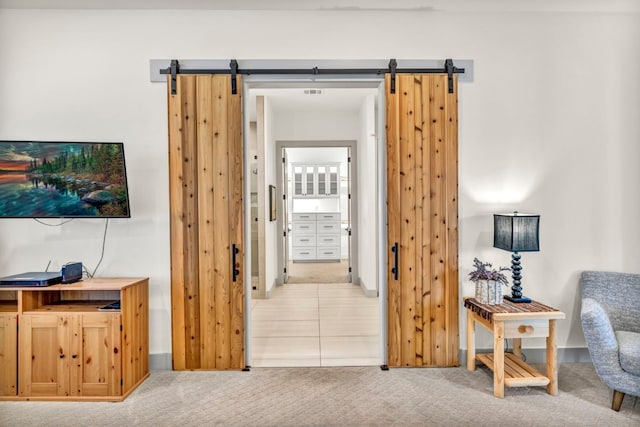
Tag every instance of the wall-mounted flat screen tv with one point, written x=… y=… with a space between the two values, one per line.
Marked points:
x=41 y=179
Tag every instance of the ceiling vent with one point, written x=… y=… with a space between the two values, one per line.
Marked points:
x=312 y=91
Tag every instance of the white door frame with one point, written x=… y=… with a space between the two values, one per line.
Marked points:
x=265 y=81
x=352 y=146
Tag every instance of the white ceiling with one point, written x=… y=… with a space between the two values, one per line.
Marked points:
x=339 y=5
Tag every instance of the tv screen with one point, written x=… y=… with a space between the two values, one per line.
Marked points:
x=41 y=179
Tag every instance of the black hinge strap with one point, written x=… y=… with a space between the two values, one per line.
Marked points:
x=234 y=73
x=175 y=69
x=448 y=66
x=393 y=64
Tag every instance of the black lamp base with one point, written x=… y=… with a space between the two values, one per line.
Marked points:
x=517 y=300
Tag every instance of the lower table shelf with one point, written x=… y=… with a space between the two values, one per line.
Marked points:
x=517 y=373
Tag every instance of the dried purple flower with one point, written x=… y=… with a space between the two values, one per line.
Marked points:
x=485 y=271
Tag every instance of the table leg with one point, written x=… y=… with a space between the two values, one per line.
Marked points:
x=471 y=345
x=552 y=356
x=498 y=358
x=517 y=347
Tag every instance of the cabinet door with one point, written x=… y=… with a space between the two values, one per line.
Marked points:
x=323 y=187
x=298 y=186
x=333 y=181
x=309 y=181
x=95 y=357
x=44 y=355
x=328 y=181
x=8 y=354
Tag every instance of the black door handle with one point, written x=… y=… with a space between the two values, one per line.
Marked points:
x=394 y=270
x=234 y=265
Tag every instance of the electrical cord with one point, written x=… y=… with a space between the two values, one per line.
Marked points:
x=104 y=241
x=53 y=225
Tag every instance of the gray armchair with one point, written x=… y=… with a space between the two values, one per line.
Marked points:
x=611 y=323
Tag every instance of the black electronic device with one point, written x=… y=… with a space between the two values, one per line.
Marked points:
x=71 y=272
x=31 y=279
x=113 y=306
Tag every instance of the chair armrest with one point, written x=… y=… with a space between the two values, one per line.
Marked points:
x=602 y=344
x=596 y=326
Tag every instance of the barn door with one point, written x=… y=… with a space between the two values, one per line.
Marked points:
x=422 y=216
x=205 y=174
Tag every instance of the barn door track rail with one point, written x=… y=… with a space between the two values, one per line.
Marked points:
x=234 y=70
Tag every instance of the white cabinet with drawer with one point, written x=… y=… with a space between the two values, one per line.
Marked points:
x=316 y=236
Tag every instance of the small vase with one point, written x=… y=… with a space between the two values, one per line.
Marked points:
x=498 y=294
x=482 y=292
x=488 y=292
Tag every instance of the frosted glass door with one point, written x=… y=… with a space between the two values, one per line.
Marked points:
x=298 y=188
x=333 y=177
x=322 y=181
x=310 y=179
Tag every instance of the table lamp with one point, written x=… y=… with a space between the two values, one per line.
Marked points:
x=516 y=233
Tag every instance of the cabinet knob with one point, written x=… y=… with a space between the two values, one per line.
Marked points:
x=73 y=356
x=525 y=329
x=62 y=356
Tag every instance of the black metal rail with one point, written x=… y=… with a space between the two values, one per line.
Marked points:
x=174 y=69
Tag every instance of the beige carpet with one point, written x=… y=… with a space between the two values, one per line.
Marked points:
x=319 y=272
x=360 y=396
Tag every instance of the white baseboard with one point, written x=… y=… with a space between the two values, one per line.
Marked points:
x=369 y=293
x=162 y=361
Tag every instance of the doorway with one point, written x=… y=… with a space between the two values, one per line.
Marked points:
x=319 y=310
x=416 y=211
x=317 y=190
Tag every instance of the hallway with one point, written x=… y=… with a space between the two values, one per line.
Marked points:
x=316 y=324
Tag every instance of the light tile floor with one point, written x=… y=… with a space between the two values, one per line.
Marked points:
x=315 y=324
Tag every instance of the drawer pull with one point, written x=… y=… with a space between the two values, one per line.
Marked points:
x=525 y=329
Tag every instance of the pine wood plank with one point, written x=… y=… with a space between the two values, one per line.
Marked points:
x=515 y=374
x=552 y=357
x=206 y=217
x=236 y=226
x=222 y=258
x=451 y=261
x=404 y=85
x=176 y=216
x=185 y=266
x=9 y=354
x=438 y=222
x=422 y=285
x=393 y=225
x=191 y=266
x=427 y=249
x=134 y=345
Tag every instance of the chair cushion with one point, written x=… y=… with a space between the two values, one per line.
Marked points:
x=629 y=351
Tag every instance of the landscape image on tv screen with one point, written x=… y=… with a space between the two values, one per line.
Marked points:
x=62 y=180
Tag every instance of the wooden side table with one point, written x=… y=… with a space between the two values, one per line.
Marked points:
x=517 y=321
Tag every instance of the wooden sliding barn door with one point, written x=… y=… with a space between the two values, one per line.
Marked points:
x=205 y=174
x=422 y=215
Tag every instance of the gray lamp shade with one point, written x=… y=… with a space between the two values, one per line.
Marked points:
x=516 y=232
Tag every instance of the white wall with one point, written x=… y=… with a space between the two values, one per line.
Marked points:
x=549 y=125
x=271 y=235
x=367 y=191
x=317 y=125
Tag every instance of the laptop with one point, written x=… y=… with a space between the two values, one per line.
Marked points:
x=32 y=279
